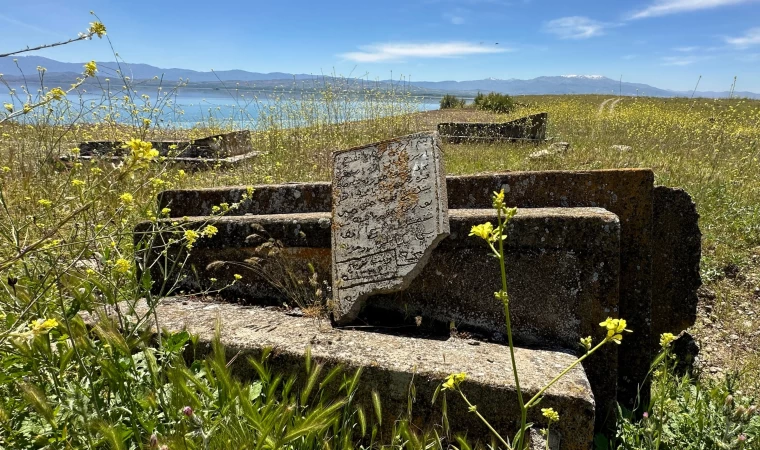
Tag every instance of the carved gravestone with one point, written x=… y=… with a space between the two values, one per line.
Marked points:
x=389 y=213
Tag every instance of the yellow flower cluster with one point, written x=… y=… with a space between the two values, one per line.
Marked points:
x=8 y=107
x=97 y=28
x=550 y=414
x=121 y=266
x=127 y=198
x=209 y=231
x=141 y=153
x=615 y=328
x=42 y=326
x=57 y=93
x=90 y=68
x=666 y=339
x=483 y=231
x=191 y=236
x=453 y=381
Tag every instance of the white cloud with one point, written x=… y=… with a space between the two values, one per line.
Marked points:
x=400 y=50
x=455 y=19
x=686 y=49
x=751 y=37
x=666 y=7
x=682 y=60
x=575 y=27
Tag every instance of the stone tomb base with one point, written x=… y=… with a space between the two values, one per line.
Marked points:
x=391 y=363
x=563 y=275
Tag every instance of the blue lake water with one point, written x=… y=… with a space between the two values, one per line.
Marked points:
x=240 y=109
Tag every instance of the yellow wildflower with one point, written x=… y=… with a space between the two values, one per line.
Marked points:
x=238 y=276
x=484 y=231
x=209 y=231
x=45 y=202
x=90 y=68
x=127 y=198
x=27 y=108
x=57 y=93
x=6 y=169
x=8 y=107
x=615 y=328
x=146 y=123
x=141 y=152
x=165 y=211
x=586 y=343
x=453 y=381
x=42 y=326
x=550 y=414
x=121 y=266
x=97 y=28
x=191 y=236
x=77 y=183
x=666 y=339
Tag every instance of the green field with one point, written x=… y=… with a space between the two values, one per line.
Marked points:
x=66 y=245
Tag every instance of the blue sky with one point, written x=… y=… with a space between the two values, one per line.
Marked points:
x=665 y=43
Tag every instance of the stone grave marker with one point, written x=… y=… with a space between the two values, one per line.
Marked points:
x=389 y=213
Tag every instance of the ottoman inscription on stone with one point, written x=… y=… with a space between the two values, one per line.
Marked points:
x=389 y=213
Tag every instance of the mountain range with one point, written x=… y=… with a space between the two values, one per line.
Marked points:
x=564 y=84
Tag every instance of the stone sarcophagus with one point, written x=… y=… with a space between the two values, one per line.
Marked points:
x=583 y=246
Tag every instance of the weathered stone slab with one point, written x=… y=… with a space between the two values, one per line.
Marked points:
x=218 y=151
x=625 y=192
x=391 y=363
x=216 y=146
x=529 y=128
x=266 y=199
x=388 y=214
x=562 y=271
x=628 y=193
x=676 y=277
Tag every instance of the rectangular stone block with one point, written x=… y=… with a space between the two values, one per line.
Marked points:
x=563 y=274
x=391 y=363
x=628 y=193
x=388 y=214
x=529 y=128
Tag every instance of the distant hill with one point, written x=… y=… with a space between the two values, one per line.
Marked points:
x=563 y=84
x=29 y=65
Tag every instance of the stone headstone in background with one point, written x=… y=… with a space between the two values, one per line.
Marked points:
x=389 y=213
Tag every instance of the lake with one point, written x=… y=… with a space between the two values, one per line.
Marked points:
x=187 y=107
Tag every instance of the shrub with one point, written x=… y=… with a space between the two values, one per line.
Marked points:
x=449 y=101
x=688 y=412
x=498 y=103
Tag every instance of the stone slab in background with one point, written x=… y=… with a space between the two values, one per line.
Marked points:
x=529 y=128
x=218 y=151
x=388 y=214
x=391 y=363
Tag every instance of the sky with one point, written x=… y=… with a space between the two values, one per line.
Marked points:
x=665 y=43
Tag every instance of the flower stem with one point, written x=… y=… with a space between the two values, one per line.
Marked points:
x=523 y=409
